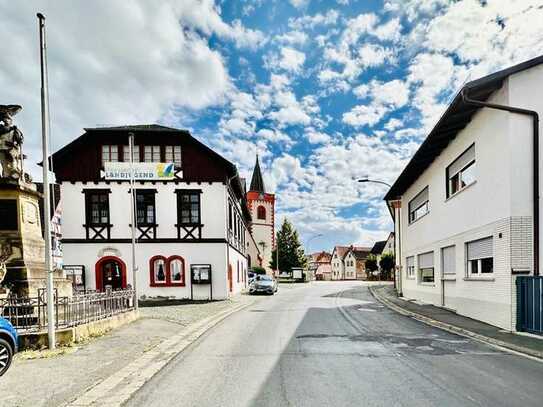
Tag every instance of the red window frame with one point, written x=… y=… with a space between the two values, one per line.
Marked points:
x=167 y=262
x=261 y=212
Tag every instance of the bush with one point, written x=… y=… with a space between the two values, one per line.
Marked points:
x=258 y=270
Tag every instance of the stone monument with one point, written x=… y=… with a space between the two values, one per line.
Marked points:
x=22 y=247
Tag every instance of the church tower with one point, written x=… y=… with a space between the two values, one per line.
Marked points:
x=262 y=207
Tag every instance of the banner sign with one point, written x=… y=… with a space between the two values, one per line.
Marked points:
x=142 y=171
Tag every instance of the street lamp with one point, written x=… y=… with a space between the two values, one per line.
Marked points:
x=366 y=179
x=313 y=237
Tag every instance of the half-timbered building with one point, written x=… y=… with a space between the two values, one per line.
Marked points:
x=198 y=220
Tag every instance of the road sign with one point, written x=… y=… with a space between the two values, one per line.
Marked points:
x=142 y=171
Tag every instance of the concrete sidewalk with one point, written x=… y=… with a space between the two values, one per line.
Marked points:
x=57 y=380
x=452 y=322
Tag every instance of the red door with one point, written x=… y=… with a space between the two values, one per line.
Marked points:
x=230 y=287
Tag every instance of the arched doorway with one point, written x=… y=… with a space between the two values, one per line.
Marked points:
x=110 y=271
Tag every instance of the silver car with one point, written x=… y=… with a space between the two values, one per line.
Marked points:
x=263 y=284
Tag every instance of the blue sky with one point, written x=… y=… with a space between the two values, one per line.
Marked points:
x=324 y=91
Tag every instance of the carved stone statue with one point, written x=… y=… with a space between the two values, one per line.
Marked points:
x=11 y=140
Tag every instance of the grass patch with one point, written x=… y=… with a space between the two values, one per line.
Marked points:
x=45 y=353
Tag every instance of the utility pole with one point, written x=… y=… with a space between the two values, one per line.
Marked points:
x=46 y=190
x=133 y=214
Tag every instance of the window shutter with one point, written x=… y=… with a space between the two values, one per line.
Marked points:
x=467 y=157
x=410 y=261
x=480 y=249
x=419 y=199
x=448 y=255
x=426 y=260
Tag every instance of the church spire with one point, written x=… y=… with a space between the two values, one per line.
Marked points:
x=257 y=182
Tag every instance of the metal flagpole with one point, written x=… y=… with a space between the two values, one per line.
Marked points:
x=46 y=190
x=134 y=218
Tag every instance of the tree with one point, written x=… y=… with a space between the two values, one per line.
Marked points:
x=258 y=270
x=291 y=252
x=387 y=265
x=371 y=265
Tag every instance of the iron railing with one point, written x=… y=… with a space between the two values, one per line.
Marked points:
x=29 y=314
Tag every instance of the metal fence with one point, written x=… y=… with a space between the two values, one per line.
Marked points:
x=530 y=304
x=29 y=314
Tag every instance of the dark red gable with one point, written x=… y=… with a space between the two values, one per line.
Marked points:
x=81 y=159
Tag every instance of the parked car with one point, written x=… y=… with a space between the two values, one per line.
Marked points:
x=8 y=344
x=251 y=276
x=263 y=284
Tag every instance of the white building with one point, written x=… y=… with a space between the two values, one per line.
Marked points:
x=338 y=266
x=464 y=205
x=194 y=224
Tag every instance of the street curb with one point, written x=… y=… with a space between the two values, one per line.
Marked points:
x=138 y=372
x=505 y=346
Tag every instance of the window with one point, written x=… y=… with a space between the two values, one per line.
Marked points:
x=410 y=264
x=173 y=155
x=176 y=270
x=158 y=270
x=188 y=207
x=426 y=267
x=110 y=154
x=261 y=212
x=480 y=255
x=167 y=272
x=461 y=172
x=126 y=154
x=145 y=207
x=419 y=205
x=151 y=154
x=230 y=215
x=97 y=205
x=448 y=260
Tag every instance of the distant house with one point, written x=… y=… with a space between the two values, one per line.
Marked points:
x=319 y=265
x=355 y=263
x=338 y=266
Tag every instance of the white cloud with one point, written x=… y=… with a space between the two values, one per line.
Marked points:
x=299 y=3
x=294 y=37
x=291 y=59
x=99 y=73
x=393 y=124
x=364 y=115
x=310 y=22
x=316 y=137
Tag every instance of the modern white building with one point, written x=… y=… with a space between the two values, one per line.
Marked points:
x=465 y=204
x=190 y=229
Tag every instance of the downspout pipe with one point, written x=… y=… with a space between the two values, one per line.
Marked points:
x=535 y=167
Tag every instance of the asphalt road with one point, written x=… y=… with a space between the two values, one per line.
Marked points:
x=332 y=344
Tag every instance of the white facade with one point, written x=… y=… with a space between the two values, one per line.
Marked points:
x=497 y=206
x=350 y=266
x=215 y=247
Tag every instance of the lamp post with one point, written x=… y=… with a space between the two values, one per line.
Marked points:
x=314 y=237
x=366 y=179
x=310 y=239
